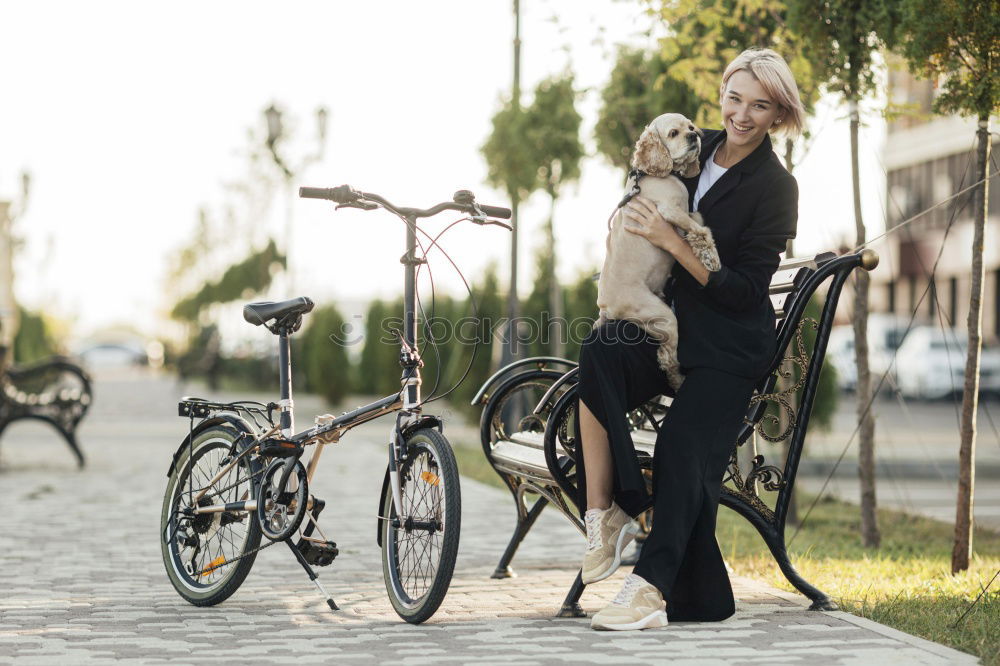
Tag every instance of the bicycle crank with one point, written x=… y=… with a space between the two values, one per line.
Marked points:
x=279 y=510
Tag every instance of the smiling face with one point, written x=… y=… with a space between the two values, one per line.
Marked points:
x=748 y=112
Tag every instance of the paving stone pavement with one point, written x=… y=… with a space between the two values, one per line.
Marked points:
x=82 y=579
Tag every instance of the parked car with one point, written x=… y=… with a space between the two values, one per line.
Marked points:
x=931 y=364
x=884 y=333
x=113 y=355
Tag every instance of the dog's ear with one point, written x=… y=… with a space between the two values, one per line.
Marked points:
x=690 y=168
x=651 y=155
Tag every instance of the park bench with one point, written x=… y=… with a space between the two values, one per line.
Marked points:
x=53 y=390
x=527 y=430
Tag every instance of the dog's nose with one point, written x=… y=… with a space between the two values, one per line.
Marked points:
x=692 y=137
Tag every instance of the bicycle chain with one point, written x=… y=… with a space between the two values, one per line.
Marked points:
x=235 y=559
x=250 y=515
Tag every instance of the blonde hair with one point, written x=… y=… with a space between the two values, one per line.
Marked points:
x=773 y=73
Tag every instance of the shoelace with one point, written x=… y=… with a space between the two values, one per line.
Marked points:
x=631 y=586
x=593 y=521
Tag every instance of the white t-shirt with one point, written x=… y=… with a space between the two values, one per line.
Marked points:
x=709 y=174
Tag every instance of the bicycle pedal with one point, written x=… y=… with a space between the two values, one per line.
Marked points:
x=318 y=553
x=280 y=448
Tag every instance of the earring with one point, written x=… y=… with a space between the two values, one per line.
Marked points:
x=778 y=121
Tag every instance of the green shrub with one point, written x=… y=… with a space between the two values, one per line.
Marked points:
x=322 y=355
x=34 y=340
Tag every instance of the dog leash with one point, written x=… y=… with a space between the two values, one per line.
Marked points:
x=636 y=175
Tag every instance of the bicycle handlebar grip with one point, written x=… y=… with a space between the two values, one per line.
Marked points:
x=341 y=194
x=496 y=211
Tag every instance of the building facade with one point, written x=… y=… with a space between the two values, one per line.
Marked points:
x=928 y=159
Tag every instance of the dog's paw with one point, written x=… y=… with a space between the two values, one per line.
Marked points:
x=703 y=246
x=709 y=259
x=666 y=357
x=676 y=379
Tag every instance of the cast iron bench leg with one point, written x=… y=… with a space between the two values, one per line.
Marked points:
x=524 y=526
x=776 y=543
x=571 y=604
x=70 y=438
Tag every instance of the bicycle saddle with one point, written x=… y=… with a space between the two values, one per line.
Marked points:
x=259 y=313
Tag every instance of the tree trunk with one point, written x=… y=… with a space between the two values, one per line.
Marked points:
x=866 y=441
x=970 y=392
x=557 y=346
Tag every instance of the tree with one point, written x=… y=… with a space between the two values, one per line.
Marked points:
x=34 y=339
x=840 y=38
x=249 y=276
x=377 y=369
x=552 y=134
x=324 y=356
x=638 y=91
x=956 y=43
x=476 y=329
x=581 y=310
x=707 y=34
x=510 y=167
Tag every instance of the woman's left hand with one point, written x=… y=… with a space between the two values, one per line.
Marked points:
x=643 y=219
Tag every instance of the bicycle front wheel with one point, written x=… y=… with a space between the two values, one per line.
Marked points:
x=207 y=556
x=419 y=547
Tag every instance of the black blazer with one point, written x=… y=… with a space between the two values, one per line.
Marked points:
x=729 y=324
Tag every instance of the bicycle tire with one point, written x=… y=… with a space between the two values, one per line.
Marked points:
x=197 y=583
x=429 y=486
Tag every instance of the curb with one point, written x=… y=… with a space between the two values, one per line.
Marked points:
x=943 y=470
x=953 y=655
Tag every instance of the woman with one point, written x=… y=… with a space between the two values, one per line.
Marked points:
x=726 y=331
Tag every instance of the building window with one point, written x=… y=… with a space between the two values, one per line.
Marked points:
x=913 y=293
x=891 y=288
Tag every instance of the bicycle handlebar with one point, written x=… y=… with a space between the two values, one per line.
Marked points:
x=343 y=194
x=464 y=203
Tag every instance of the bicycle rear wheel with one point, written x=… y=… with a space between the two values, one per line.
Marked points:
x=208 y=556
x=419 y=547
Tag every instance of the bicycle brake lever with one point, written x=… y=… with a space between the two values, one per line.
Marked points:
x=363 y=205
x=479 y=217
x=483 y=221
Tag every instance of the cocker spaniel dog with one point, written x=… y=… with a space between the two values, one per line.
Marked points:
x=635 y=271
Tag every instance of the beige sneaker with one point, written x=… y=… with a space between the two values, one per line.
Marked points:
x=638 y=605
x=608 y=532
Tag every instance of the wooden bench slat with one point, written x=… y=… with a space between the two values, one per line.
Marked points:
x=535 y=440
x=516 y=458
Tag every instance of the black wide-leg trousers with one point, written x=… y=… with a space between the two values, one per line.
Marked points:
x=681 y=556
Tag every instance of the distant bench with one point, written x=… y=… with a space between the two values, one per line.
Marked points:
x=54 y=390
x=528 y=437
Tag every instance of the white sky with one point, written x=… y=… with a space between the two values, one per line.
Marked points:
x=130 y=117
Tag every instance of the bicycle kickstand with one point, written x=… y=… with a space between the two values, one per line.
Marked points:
x=312 y=575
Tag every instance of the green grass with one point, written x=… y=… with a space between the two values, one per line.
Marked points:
x=905 y=584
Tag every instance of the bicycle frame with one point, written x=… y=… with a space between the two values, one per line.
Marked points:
x=330 y=429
